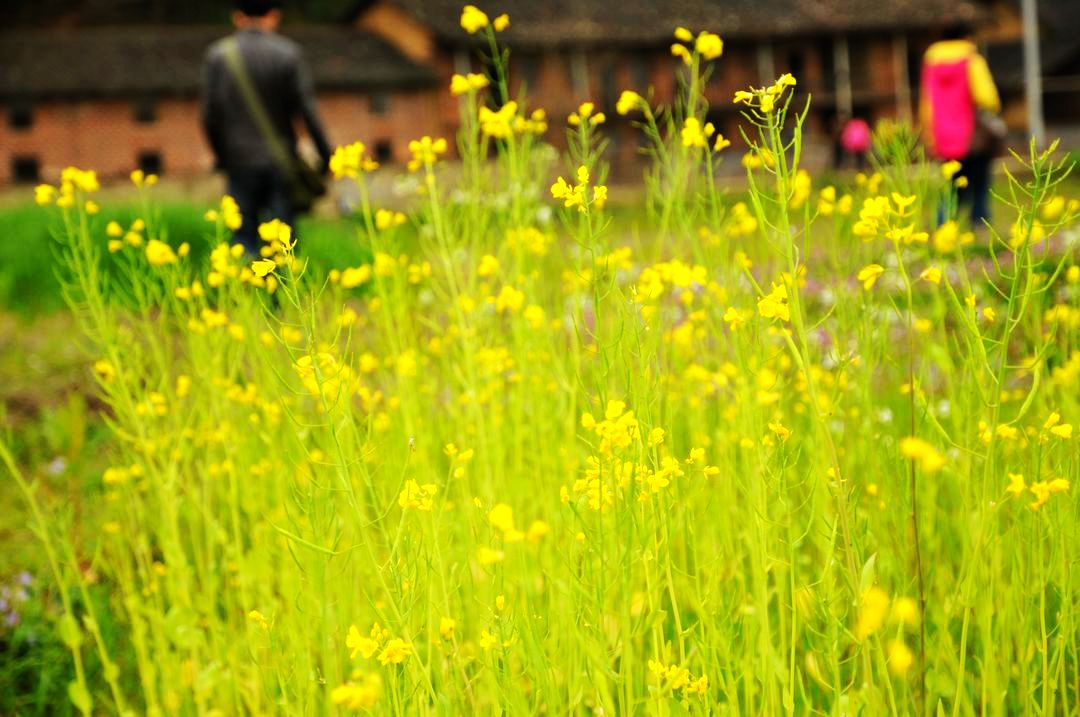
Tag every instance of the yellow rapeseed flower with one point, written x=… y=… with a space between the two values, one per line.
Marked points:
x=276 y=233
x=360 y=644
x=418 y=497
x=386 y=219
x=781 y=431
x=709 y=45
x=350 y=160
x=575 y=195
x=1062 y=430
x=262 y=267
x=537 y=530
x=931 y=274
x=44 y=193
x=498 y=124
x=1042 y=491
x=681 y=52
x=488 y=265
x=628 y=102
x=926 y=455
x=899 y=658
x=85 y=180
x=358 y=695
x=464 y=84
x=425 y=152
x=734 y=318
x=473 y=19
x=501 y=517
x=905 y=611
x=872 y=610
x=509 y=299
x=599 y=196
x=104 y=370
x=1016 y=484
x=489 y=556
x=774 y=304
x=158 y=253
x=694 y=134
x=230 y=213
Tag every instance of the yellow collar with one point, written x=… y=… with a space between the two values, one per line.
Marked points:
x=950 y=51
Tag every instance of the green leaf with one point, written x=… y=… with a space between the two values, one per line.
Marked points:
x=180 y=627
x=866 y=578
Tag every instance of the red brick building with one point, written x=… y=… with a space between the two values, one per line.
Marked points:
x=114 y=96
x=856 y=57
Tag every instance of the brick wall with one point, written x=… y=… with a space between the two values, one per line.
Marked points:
x=103 y=134
x=408 y=115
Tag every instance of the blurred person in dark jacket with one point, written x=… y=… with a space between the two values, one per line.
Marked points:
x=255 y=85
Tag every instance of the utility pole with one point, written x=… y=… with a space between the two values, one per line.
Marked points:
x=1033 y=72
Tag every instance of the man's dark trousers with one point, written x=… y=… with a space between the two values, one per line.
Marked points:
x=262 y=194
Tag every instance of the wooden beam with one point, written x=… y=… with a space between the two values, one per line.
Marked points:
x=766 y=67
x=902 y=78
x=579 y=73
x=842 y=63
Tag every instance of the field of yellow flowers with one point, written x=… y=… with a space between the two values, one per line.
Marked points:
x=807 y=452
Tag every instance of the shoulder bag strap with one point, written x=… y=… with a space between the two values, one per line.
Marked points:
x=255 y=106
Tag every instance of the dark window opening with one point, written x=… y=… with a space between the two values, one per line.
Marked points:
x=380 y=103
x=796 y=64
x=828 y=65
x=609 y=90
x=530 y=67
x=384 y=151
x=26 y=170
x=21 y=114
x=150 y=162
x=639 y=71
x=145 y=110
x=914 y=68
x=862 y=76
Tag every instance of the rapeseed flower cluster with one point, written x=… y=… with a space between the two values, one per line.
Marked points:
x=577 y=195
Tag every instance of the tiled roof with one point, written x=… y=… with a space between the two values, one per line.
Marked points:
x=168 y=60
x=576 y=22
x=61 y=13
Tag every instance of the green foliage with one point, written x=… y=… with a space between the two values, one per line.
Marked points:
x=28 y=266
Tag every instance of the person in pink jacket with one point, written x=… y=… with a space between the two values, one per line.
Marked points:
x=956 y=88
x=856 y=139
